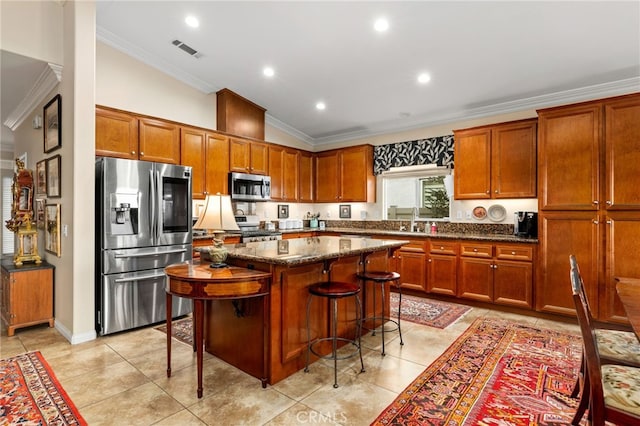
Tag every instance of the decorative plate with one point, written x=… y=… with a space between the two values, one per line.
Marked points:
x=479 y=212
x=497 y=212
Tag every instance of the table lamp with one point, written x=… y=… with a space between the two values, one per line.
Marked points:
x=217 y=217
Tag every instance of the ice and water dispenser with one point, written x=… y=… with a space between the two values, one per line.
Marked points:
x=123 y=214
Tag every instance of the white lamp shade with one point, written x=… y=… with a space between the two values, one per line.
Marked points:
x=217 y=214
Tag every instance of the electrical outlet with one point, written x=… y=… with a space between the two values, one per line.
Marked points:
x=459 y=214
x=328 y=214
x=65 y=230
x=467 y=214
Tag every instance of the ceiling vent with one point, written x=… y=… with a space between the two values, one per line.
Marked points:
x=190 y=50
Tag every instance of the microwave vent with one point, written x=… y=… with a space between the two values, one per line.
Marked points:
x=185 y=47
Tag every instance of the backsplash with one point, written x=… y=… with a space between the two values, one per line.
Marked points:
x=448 y=227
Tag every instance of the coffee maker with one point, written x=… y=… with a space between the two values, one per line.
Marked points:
x=526 y=224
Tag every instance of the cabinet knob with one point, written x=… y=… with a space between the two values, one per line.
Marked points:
x=596 y=222
x=513 y=253
x=475 y=250
x=496 y=191
x=596 y=202
x=429 y=260
x=133 y=153
x=141 y=153
x=609 y=222
x=608 y=202
x=488 y=192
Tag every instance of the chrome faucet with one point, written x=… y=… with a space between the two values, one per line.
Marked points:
x=414 y=213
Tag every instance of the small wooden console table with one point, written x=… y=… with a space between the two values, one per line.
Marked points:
x=201 y=283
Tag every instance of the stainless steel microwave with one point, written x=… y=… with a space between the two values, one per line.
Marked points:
x=248 y=187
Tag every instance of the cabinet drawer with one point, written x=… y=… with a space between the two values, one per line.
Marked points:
x=415 y=246
x=514 y=252
x=476 y=250
x=443 y=247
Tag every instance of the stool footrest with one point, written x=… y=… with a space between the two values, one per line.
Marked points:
x=330 y=356
x=385 y=321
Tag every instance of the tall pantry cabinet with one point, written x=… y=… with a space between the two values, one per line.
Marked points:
x=589 y=202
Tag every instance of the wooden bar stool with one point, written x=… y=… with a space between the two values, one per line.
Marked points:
x=334 y=290
x=381 y=278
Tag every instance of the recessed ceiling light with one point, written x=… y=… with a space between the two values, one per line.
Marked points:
x=268 y=71
x=424 y=78
x=381 y=25
x=192 y=21
x=321 y=106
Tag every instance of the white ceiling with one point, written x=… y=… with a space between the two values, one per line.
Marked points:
x=484 y=58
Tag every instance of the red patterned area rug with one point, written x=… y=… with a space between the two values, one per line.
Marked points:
x=181 y=329
x=496 y=373
x=429 y=312
x=30 y=394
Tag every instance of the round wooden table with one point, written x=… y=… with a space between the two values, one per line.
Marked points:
x=200 y=283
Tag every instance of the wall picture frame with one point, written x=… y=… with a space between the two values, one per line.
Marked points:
x=39 y=212
x=52 y=243
x=52 y=124
x=53 y=176
x=41 y=178
x=283 y=211
x=345 y=211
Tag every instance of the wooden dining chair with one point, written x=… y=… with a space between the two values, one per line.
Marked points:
x=616 y=346
x=611 y=392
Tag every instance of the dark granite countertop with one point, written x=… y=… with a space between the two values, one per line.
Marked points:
x=306 y=250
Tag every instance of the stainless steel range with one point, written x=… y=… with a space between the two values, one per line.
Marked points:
x=250 y=230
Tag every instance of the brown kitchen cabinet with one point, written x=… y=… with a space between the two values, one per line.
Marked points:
x=247 y=156
x=208 y=155
x=305 y=177
x=442 y=266
x=588 y=203
x=497 y=161
x=345 y=175
x=284 y=173
x=27 y=295
x=125 y=135
x=411 y=265
x=497 y=273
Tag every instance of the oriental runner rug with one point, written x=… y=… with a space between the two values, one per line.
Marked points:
x=181 y=329
x=433 y=313
x=30 y=394
x=496 y=373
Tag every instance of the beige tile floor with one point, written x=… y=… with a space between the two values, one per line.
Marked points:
x=121 y=379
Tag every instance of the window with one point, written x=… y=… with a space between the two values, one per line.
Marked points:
x=424 y=194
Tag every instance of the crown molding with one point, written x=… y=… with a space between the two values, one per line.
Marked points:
x=49 y=78
x=274 y=122
x=145 y=57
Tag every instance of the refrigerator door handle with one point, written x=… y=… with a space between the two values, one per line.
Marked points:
x=152 y=204
x=138 y=278
x=160 y=253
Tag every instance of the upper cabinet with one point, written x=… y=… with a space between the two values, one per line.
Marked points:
x=345 y=175
x=124 y=135
x=248 y=156
x=283 y=169
x=497 y=161
x=305 y=177
x=239 y=116
x=208 y=155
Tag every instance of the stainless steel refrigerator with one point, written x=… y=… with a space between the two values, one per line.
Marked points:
x=143 y=223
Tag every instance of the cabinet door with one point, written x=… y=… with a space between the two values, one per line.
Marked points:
x=441 y=274
x=290 y=175
x=327 y=173
x=305 y=179
x=513 y=283
x=472 y=154
x=259 y=158
x=193 y=153
x=217 y=164
x=239 y=155
x=116 y=134
x=276 y=171
x=622 y=137
x=569 y=157
x=513 y=160
x=562 y=234
x=159 y=141
x=31 y=296
x=356 y=174
x=476 y=279
x=622 y=231
x=411 y=266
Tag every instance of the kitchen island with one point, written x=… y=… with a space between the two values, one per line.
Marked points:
x=294 y=265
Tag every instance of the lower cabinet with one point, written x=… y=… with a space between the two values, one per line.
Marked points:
x=27 y=295
x=500 y=273
x=411 y=264
x=442 y=267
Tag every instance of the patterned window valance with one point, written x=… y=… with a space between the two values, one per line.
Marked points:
x=438 y=150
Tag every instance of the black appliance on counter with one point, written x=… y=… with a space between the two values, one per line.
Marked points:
x=526 y=224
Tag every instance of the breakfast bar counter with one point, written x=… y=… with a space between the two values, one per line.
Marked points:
x=293 y=265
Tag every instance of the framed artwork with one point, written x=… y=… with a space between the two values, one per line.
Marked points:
x=283 y=247
x=52 y=120
x=53 y=176
x=41 y=178
x=40 y=202
x=52 y=229
x=345 y=211
x=283 y=211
